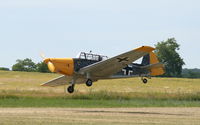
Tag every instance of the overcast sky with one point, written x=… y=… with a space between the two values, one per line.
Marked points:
x=63 y=28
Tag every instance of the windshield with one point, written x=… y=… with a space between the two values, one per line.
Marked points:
x=90 y=56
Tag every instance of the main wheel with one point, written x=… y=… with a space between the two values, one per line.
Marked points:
x=89 y=82
x=70 y=89
x=145 y=81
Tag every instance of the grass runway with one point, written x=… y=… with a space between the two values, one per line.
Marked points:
x=99 y=116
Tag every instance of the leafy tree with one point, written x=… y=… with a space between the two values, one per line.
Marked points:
x=4 y=68
x=24 y=65
x=42 y=67
x=167 y=53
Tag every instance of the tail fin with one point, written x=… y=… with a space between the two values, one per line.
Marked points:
x=150 y=61
x=146 y=60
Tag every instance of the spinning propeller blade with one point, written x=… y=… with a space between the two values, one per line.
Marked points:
x=42 y=55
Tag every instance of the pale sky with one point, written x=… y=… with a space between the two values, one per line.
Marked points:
x=63 y=28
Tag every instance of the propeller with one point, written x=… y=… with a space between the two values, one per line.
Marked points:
x=48 y=62
x=42 y=55
x=51 y=66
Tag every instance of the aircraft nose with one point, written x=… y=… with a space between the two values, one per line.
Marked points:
x=63 y=66
x=50 y=65
x=46 y=60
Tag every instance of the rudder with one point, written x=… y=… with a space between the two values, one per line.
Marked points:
x=149 y=59
x=154 y=60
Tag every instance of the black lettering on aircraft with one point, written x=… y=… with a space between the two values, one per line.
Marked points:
x=125 y=59
x=127 y=71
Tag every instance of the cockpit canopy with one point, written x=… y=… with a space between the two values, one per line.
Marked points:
x=90 y=56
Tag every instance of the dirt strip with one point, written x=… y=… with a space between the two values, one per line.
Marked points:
x=99 y=116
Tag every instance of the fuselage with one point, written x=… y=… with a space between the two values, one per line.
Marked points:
x=71 y=66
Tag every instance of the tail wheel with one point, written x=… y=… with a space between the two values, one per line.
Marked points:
x=89 y=82
x=144 y=81
x=70 y=89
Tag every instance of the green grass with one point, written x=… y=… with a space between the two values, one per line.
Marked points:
x=93 y=103
x=22 y=89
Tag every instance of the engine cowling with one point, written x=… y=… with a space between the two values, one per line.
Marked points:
x=63 y=66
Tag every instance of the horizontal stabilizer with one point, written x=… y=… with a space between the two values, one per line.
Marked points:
x=153 y=66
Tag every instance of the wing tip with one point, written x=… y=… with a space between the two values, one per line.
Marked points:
x=46 y=85
x=145 y=49
x=43 y=84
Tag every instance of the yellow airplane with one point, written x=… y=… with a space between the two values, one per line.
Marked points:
x=89 y=68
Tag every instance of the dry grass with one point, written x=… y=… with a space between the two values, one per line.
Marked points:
x=28 y=84
x=99 y=116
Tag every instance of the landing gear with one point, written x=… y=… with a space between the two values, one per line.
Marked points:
x=144 y=80
x=70 y=89
x=89 y=82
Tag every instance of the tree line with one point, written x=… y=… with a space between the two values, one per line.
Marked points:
x=191 y=73
x=28 y=65
x=166 y=51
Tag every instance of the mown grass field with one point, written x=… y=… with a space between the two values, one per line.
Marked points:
x=22 y=89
